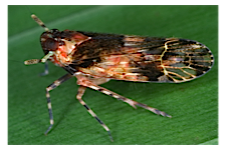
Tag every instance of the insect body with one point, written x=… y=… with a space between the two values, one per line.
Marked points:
x=95 y=58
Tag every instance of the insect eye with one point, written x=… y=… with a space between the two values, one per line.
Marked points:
x=50 y=44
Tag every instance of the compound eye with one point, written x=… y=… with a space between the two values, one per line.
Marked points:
x=50 y=44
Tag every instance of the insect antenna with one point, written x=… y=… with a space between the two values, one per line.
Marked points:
x=36 y=61
x=39 y=22
x=45 y=58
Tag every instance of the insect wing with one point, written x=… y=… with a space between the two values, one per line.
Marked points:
x=135 y=58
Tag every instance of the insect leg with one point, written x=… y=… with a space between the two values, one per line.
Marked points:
x=91 y=84
x=46 y=71
x=129 y=101
x=79 y=95
x=48 y=89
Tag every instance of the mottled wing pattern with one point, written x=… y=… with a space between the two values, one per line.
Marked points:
x=135 y=58
x=171 y=59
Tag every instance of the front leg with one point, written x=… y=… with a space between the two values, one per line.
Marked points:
x=48 y=89
x=46 y=71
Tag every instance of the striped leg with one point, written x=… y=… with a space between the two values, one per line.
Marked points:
x=79 y=95
x=48 y=89
x=84 y=81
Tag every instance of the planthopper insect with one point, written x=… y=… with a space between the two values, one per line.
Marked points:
x=96 y=58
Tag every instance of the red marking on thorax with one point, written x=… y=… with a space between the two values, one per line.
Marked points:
x=60 y=55
x=63 y=51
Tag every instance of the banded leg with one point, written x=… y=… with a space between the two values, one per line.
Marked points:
x=79 y=95
x=84 y=81
x=48 y=89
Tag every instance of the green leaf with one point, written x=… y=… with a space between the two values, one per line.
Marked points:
x=193 y=105
x=211 y=142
